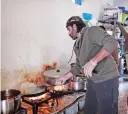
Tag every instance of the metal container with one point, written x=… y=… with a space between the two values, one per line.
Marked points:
x=51 y=76
x=10 y=101
x=50 y=80
x=77 y=85
x=73 y=109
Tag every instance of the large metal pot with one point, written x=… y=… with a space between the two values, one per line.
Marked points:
x=78 y=83
x=10 y=101
x=51 y=76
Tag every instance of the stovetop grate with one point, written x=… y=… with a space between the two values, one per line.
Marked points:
x=52 y=95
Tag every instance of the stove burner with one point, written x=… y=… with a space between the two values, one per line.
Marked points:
x=54 y=95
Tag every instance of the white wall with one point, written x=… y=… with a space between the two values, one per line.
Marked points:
x=33 y=31
x=0 y=44
x=121 y=3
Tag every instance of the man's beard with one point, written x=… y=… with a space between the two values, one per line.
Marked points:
x=73 y=38
x=73 y=35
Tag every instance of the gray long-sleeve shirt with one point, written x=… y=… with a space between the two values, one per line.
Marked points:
x=89 y=45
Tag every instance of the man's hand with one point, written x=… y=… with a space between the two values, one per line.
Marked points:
x=89 y=67
x=63 y=79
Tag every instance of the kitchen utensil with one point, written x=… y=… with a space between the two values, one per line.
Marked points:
x=77 y=85
x=35 y=91
x=52 y=75
x=10 y=101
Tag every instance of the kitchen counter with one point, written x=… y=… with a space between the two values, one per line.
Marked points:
x=68 y=104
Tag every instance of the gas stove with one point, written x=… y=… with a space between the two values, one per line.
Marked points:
x=47 y=100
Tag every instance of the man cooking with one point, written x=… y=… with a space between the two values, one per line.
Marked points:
x=93 y=48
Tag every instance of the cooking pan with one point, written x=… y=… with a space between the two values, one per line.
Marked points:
x=35 y=91
x=51 y=76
